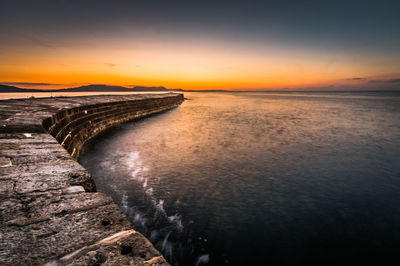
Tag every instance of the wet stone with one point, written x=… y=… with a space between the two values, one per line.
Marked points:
x=49 y=210
x=6 y=188
x=5 y=162
x=73 y=189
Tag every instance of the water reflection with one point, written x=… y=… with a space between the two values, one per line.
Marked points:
x=240 y=178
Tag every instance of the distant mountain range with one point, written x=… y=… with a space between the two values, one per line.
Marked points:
x=6 y=88
x=88 y=88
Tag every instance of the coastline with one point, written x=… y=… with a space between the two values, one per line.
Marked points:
x=50 y=210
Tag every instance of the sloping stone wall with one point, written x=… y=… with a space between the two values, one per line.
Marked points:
x=73 y=127
x=49 y=210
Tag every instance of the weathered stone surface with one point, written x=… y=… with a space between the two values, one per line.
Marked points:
x=5 y=162
x=49 y=210
x=134 y=248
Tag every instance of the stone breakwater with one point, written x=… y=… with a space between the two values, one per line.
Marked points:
x=50 y=212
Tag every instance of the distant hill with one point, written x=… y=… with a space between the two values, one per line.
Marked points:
x=102 y=87
x=141 y=88
x=88 y=88
x=95 y=87
x=6 y=88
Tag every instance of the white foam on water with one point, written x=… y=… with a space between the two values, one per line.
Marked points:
x=160 y=206
x=153 y=235
x=149 y=191
x=124 y=202
x=135 y=165
x=132 y=160
x=203 y=259
x=164 y=243
x=114 y=187
x=137 y=217
x=135 y=172
x=168 y=250
x=140 y=219
x=108 y=165
x=173 y=218
x=138 y=173
x=176 y=219
x=167 y=246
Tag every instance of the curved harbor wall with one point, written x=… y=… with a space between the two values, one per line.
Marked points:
x=50 y=212
x=73 y=127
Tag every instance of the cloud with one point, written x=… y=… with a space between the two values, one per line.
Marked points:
x=110 y=65
x=356 y=79
x=28 y=84
x=385 y=80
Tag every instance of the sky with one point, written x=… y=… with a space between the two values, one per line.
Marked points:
x=208 y=44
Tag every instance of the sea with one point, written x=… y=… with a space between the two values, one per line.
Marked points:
x=260 y=178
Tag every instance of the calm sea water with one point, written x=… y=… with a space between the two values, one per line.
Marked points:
x=260 y=178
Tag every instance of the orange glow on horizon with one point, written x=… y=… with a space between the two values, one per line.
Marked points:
x=195 y=66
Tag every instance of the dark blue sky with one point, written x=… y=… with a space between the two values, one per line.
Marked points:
x=325 y=22
x=367 y=28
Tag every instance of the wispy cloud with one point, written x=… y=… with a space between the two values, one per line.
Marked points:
x=397 y=80
x=356 y=78
x=110 y=65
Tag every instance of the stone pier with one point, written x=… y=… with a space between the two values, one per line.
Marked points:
x=50 y=212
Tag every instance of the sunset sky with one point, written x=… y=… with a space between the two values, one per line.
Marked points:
x=239 y=45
